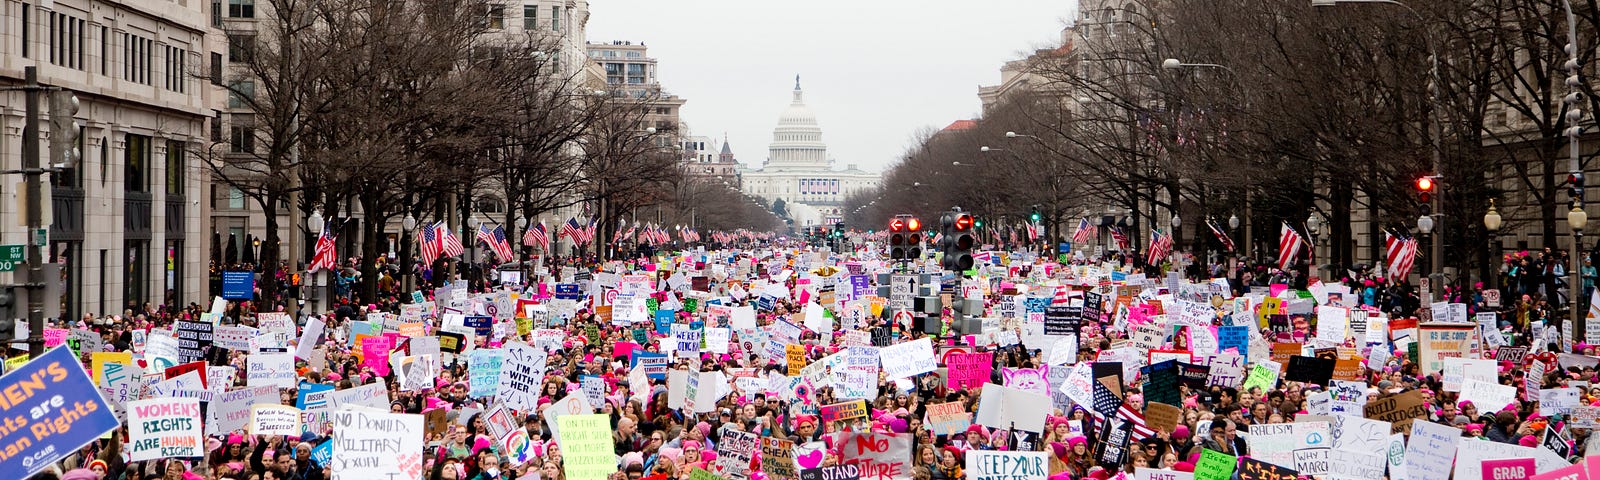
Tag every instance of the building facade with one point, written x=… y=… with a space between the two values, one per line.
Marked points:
x=799 y=171
x=127 y=223
x=704 y=160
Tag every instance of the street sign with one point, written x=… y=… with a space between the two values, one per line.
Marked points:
x=10 y=256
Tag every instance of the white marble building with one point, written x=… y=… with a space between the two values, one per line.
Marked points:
x=799 y=171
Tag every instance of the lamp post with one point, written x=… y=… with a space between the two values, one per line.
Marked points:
x=1491 y=223
x=1313 y=230
x=1577 y=218
x=315 y=224
x=407 y=225
x=1425 y=225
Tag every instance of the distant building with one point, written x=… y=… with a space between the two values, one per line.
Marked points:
x=704 y=160
x=799 y=172
x=631 y=72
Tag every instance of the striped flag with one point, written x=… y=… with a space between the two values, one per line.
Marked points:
x=496 y=240
x=1122 y=238
x=588 y=232
x=428 y=238
x=449 y=244
x=1033 y=231
x=1401 y=255
x=1141 y=431
x=1289 y=243
x=1160 y=247
x=325 y=256
x=1222 y=236
x=537 y=235
x=1084 y=232
x=572 y=230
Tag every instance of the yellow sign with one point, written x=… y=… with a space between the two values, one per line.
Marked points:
x=797 y=358
x=98 y=361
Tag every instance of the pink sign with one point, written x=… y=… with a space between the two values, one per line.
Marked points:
x=1574 y=472
x=375 y=354
x=1508 y=469
x=968 y=369
x=623 y=349
x=54 y=337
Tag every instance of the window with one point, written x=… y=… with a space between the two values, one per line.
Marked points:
x=497 y=17
x=105 y=51
x=177 y=69
x=242 y=8
x=241 y=47
x=613 y=73
x=137 y=54
x=530 y=17
x=216 y=13
x=555 y=18
x=241 y=139
x=635 y=55
x=175 y=167
x=491 y=205
x=216 y=126
x=136 y=164
x=216 y=69
x=636 y=73
x=240 y=92
x=137 y=271
x=235 y=198
x=27 y=30
x=66 y=39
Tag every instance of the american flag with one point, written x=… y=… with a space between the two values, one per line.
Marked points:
x=1288 y=247
x=1033 y=231
x=1401 y=255
x=537 y=235
x=572 y=230
x=1160 y=247
x=588 y=232
x=449 y=244
x=628 y=235
x=325 y=256
x=1141 y=431
x=1085 y=231
x=1013 y=232
x=1222 y=236
x=1122 y=238
x=496 y=240
x=428 y=238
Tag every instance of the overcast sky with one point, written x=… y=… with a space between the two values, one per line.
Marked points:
x=874 y=71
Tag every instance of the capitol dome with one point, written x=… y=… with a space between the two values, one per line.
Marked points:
x=797 y=140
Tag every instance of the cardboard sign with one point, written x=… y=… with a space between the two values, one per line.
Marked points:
x=586 y=447
x=777 y=458
x=996 y=465
x=965 y=370
x=1508 y=469
x=1252 y=469
x=1430 y=451
x=844 y=411
x=274 y=420
x=1309 y=370
x=832 y=472
x=1214 y=465
x=165 y=428
x=879 y=456
x=948 y=418
x=1398 y=410
x=377 y=445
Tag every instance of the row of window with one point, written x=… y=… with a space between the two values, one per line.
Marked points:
x=67 y=38
x=530 y=17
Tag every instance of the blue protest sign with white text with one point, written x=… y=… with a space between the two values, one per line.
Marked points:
x=51 y=409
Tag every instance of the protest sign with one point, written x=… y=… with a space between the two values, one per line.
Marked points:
x=1398 y=410
x=1430 y=450
x=376 y=445
x=1352 y=465
x=844 y=411
x=965 y=370
x=164 y=428
x=1473 y=452
x=1283 y=444
x=273 y=419
x=735 y=453
x=271 y=369
x=1509 y=469
x=1252 y=469
x=879 y=456
x=46 y=436
x=832 y=472
x=1488 y=397
x=948 y=418
x=586 y=447
x=1214 y=465
x=484 y=377
x=194 y=338
x=374 y=395
x=230 y=411
x=233 y=337
x=520 y=375
x=1009 y=408
x=995 y=465
x=1439 y=340
x=903 y=360
x=777 y=458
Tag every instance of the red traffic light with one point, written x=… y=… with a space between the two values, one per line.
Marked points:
x=896 y=225
x=963 y=222
x=1424 y=184
x=913 y=224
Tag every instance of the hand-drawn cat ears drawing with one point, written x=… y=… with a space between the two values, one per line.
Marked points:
x=1030 y=376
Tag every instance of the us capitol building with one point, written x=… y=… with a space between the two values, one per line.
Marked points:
x=799 y=172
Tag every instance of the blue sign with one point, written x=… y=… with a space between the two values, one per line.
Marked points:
x=51 y=410
x=323 y=453
x=658 y=362
x=1234 y=337
x=568 y=291
x=1064 y=247
x=766 y=303
x=664 y=319
x=239 y=285
x=482 y=326
x=308 y=389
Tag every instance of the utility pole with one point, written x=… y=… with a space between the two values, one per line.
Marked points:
x=34 y=189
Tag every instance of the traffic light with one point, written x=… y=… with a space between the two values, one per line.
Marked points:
x=913 y=238
x=1425 y=189
x=957 y=227
x=1034 y=215
x=64 y=130
x=897 y=237
x=1576 y=189
x=8 y=315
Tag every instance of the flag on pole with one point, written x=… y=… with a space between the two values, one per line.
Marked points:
x=495 y=238
x=1222 y=236
x=537 y=235
x=572 y=230
x=325 y=256
x=1160 y=247
x=1400 y=255
x=1289 y=243
x=1122 y=238
x=1084 y=232
x=449 y=244
x=428 y=239
x=1033 y=230
x=588 y=231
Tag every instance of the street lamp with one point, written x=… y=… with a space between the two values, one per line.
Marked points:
x=314 y=223
x=1174 y=64
x=407 y=225
x=1233 y=221
x=1491 y=223
x=1577 y=218
x=1425 y=225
